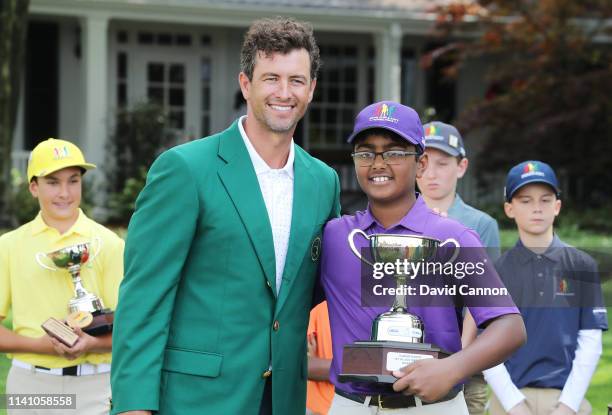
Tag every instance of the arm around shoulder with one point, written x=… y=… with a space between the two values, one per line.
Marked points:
x=336 y=208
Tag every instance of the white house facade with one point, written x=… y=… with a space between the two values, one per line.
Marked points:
x=88 y=58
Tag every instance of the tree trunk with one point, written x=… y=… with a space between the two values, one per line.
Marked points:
x=13 y=29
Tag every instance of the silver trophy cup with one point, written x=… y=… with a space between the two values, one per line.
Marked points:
x=397 y=336
x=398 y=324
x=72 y=258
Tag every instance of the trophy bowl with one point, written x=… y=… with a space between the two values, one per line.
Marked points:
x=389 y=248
x=72 y=258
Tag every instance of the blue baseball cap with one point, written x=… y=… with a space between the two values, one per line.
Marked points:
x=392 y=116
x=527 y=172
x=444 y=137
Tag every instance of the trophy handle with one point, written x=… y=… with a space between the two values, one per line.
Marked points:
x=457 y=247
x=38 y=257
x=354 y=248
x=95 y=253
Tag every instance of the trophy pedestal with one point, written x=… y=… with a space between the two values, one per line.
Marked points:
x=102 y=323
x=85 y=302
x=375 y=361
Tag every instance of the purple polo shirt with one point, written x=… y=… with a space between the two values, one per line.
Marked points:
x=341 y=273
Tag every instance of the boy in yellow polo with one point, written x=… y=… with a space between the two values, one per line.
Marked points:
x=41 y=365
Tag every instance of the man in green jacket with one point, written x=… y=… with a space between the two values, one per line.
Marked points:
x=223 y=249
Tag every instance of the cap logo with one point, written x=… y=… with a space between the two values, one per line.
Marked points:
x=453 y=141
x=384 y=112
x=431 y=130
x=532 y=169
x=60 y=153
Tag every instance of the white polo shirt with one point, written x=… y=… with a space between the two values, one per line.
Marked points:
x=277 y=189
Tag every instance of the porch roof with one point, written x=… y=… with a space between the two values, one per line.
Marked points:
x=414 y=16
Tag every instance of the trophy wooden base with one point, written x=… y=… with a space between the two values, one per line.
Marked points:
x=102 y=323
x=375 y=361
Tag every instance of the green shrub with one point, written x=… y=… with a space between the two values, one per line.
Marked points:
x=141 y=133
x=122 y=204
x=24 y=205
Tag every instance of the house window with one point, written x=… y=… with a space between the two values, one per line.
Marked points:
x=409 y=67
x=122 y=79
x=164 y=39
x=441 y=89
x=183 y=40
x=166 y=86
x=145 y=38
x=332 y=112
x=205 y=40
x=122 y=36
x=206 y=76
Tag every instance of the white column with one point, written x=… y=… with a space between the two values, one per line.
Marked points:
x=94 y=121
x=420 y=80
x=388 y=70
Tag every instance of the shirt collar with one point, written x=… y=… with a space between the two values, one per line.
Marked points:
x=258 y=163
x=413 y=221
x=553 y=252
x=80 y=226
x=457 y=205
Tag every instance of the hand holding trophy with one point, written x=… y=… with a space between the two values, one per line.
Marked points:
x=85 y=309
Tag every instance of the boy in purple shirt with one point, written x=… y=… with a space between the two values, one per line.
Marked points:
x=394 y=132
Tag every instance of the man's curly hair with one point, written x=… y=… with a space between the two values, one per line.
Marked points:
x=278 y=35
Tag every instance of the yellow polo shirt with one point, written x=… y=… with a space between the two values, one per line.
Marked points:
x=35 y=293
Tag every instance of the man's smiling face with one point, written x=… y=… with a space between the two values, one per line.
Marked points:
x=280 y=90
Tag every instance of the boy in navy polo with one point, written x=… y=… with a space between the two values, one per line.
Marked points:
x=561 y=302
x=395 y=133
x=447 y=162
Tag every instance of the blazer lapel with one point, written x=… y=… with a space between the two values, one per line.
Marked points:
x=305 y=200
x=240 y=181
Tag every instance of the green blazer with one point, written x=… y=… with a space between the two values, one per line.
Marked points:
x=198 y=321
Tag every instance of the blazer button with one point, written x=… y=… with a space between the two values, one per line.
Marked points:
x=266 y=374
x=268 y=283
x=275 y=325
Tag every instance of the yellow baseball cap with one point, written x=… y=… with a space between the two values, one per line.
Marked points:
x=52 y=155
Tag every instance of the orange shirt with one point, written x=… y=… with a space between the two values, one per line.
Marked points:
x=320 y=394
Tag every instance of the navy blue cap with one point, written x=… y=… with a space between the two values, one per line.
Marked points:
x=527 y=172
x=444 y=137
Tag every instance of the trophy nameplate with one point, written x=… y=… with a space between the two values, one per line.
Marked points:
x=60 y=331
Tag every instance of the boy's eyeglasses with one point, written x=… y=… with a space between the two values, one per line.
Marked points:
x=391 y=157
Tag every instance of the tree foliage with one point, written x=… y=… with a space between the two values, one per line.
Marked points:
x=13 y=28
x=549 y=87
